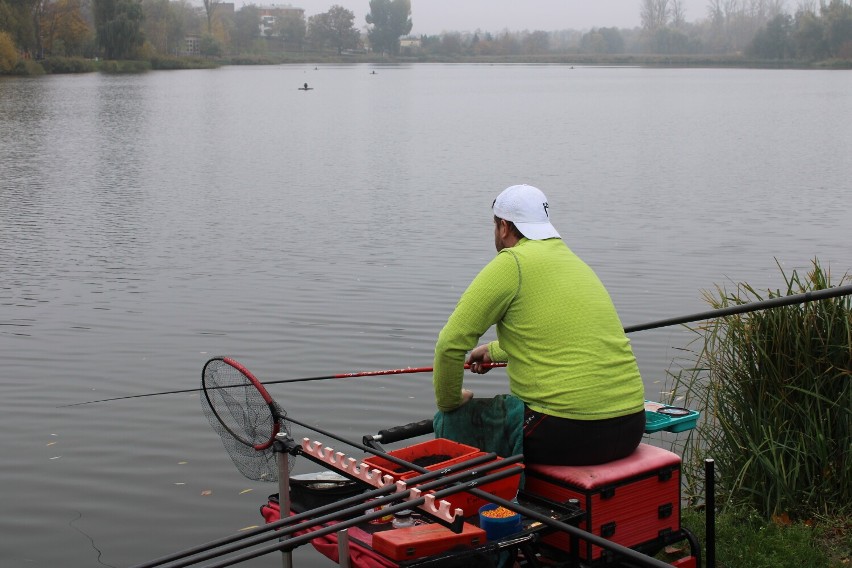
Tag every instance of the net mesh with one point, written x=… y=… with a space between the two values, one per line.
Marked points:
x=238 y=412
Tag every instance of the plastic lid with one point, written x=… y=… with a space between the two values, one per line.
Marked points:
x=673 y=411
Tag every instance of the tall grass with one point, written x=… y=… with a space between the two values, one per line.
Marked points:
x=774 y=390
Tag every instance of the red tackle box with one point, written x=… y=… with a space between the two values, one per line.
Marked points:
x=425 y=540
x=441 y=453
x=629 y=501
x=432 y=455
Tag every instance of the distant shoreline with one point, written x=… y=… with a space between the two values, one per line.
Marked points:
x=617 y=60
x=59 y=65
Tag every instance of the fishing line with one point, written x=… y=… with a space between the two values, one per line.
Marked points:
x=91 y=540
x=406 y=370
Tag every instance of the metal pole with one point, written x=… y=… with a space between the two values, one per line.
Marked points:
x=343 y=548
x=710 y=512
x=284 y=493
x=574 y=540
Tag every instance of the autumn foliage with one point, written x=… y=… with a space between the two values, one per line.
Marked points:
x=8 y=53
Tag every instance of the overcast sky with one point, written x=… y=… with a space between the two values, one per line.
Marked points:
x=435 y=16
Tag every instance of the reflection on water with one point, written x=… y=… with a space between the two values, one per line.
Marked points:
x=148 y=223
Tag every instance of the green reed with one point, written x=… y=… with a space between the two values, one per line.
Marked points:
x=774 y=390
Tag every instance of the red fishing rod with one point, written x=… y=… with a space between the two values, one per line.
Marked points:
x=779 y=301
x=406 y=370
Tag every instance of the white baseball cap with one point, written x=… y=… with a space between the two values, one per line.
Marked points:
x=525 y=206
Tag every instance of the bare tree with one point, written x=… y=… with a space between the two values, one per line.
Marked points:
x=535 y=42
x=38 y=9
x=210 y=8
x=776 y=8
x=715 y=11
x=808 y=6
x=732 y=9
x=678 y=14
x=654 y=14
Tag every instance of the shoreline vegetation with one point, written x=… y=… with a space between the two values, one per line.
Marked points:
x=774 y=388
x=72 y=65
x=137 y=35
x=129 y=36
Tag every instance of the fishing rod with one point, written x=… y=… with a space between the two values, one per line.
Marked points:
x=289 y=544
x=363 y=504
x=295 y=542
x=207 y=552
x=342 y=507
x=246 y=416
x=749 y=307
x=243 y=420
x=282 y=381
x=700 y=316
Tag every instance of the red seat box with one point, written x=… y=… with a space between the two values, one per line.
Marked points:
x=629 y=501
x=425 y=540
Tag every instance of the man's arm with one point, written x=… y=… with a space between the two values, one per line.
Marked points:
x=481 y=306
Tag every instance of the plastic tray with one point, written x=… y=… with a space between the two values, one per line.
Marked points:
x=654 y=421
x=439 y=454
x=506 y=488
x=450 y=453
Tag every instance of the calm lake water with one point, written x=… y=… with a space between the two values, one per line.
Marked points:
x=148 y=223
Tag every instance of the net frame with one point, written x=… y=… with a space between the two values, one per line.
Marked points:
x=244 y=414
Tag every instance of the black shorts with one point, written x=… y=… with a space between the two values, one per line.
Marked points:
x=563 y=441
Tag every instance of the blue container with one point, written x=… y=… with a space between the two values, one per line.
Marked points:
x=497 y=528
x=657 y=419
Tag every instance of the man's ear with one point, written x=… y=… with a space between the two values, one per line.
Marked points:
x=502 y=227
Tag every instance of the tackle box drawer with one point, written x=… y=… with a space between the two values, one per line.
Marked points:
x=630 y=501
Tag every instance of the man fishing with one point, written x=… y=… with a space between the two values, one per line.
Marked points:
x=570 y=363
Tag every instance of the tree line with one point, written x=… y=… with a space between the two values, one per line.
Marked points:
x=760 y=29
x=815 y=30
x=140 y=29
x=144 y=29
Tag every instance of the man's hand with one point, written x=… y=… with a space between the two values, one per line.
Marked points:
x=466 y=396
x=478 y=357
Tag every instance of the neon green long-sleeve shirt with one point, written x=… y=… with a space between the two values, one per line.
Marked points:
x=557 y=328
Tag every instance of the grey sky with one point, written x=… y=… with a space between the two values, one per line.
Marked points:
x=435 y=16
